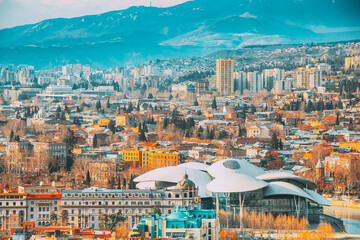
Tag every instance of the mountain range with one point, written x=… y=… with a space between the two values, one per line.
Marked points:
x=193 y=28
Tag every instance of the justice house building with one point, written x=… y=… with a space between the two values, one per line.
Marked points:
x=235 y=185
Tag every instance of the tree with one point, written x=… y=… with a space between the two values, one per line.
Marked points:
x=337 y=119
x=274 y=141
x=53 y=217
x=11 y=136
x=196 y=103
x=165 y=123
x=156 y=210
x=142 y=135
x=111 y=127
x=150 y=96
x=122 y=230
x=213 y=104
x=95 y=141
x=98 y=105
x=70 y=140
x=108 y=104
x=88 y=178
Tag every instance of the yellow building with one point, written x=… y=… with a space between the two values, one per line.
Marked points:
x=104 y=122
x=159 y=158
x=308 y=78
x=123 y=120
x=352 y=62
x=151 y=158
x=225 y=76
x=353 y=145
x=131 y=155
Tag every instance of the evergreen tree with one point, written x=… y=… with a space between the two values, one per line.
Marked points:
x=213 y=104
x=88 y=178
x=165 y=123
x=253 y=109
x=274 y=141
x=142 y=135
x=196 y=103
x=98 y=105
x=95 y=141
x=108 y=104
x=150 y=96
x=11 y=136
x=337 y=119
x=111 y=127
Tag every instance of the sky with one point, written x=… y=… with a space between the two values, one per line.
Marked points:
x=20 y=12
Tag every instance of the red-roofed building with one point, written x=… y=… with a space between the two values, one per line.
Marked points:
x=41 y=206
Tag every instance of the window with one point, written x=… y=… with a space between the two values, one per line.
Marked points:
x=31 y=209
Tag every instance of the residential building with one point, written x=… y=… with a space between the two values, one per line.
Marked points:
x=225 y=76
x=308 y=78
x=255 y=81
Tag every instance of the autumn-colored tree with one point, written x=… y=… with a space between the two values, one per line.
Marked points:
x=324 y=232
x=122 y=230
x=226 y=234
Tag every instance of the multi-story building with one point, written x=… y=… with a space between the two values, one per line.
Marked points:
x=225 y=76
x=12 y=210
x=154 y=158
x=24 y=156
x=88 y=207
x=181 y=223
x=159 y=158
x=284 y=85
x=255 y=80
x=53 y=188
x=272 y=75
x=51 y=149
x=352 y=62
x=308 y=78
x=240 y=81
x=123 y=120
x=41 y=206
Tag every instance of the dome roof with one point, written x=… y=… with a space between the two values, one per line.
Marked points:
x=185 y=183
x=235 y=183
x=229 y=166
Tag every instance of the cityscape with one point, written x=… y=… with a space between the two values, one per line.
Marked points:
x=220 y=142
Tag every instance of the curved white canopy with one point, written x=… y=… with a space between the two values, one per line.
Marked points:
x=282 y=175
x=318 y=198
x=229 y=166
x=195 y=165
x=164 y=176
x=284 y=188
x=235 y=183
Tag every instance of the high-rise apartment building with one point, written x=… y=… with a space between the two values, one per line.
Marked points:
x=352 y=62
x=225 y=76
x=307 y=78
x=255 y=81
x=272 y=75
x=282 y=86
x=240 y=83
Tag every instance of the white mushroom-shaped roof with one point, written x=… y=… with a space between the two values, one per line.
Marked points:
x=318 y=198
x=284 y=188
x=235 y=183
x=282 y=175
x=229 y=166
x=195 y=165
x=166 y=175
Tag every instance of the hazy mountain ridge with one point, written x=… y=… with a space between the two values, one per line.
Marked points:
x=197 y=27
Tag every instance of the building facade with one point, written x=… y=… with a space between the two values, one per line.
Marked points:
x=225 y=76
